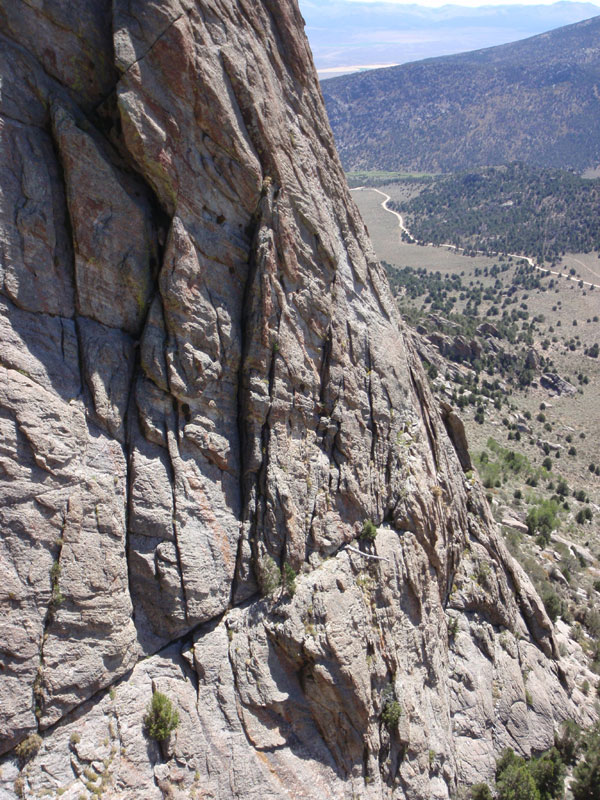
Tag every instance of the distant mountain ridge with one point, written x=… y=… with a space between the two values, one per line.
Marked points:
x=537 y=101
x=343 y=34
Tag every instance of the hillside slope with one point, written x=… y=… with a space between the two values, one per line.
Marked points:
x=205 y=387
x=536 y=101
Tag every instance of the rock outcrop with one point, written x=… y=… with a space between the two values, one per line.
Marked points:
x=203 y=378
x=554 y=383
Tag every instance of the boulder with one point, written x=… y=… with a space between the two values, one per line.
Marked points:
x=554 y=383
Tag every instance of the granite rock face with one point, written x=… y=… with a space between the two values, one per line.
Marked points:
x=203 y=378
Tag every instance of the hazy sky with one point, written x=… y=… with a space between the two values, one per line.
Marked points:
x=346 y=35
x=469 y=3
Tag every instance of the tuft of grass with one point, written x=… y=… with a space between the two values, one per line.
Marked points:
x=29 y=747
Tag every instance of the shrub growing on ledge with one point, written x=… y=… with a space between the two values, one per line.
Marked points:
x=29 y=747
x=161 y=717
x=481 y=791
x=269 y=575
x=288 y=579
x=390 y=716
x=369 y=531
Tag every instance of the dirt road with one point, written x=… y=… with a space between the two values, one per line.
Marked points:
x=411 y=238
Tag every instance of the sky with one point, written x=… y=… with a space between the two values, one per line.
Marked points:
x=466 y=3
x=348 y=35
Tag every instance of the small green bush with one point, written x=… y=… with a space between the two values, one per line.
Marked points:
x=548 y=772
x=480 y=791
x=390 y=716
x=568 y=742
x=586 y=784
x=19 y=786
x=587 y=778
x=483 y=574
x=552 y=605
x=369 y=531
x=269 y=575
x=57 y=597
x=29 y=747
x=538 y=779
x=584 y=515
x=288 y=579
x=161 y=717
x=542 y=519
x=517 y=783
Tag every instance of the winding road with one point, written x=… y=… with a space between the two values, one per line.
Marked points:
x=530 y=261
x=384 y=205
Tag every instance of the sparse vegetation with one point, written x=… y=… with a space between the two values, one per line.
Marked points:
x=369 y=531
x=162 y=718
x=452 y=627
x=272 y=578
x=543 y=778
x=552 y=604
x=586 y=784
x=288 y=579
x=492 y=327
x=538 y=779
x=269 y=575
x=390 y=716
x=481 y=791
x=542 y=519
x=57 y=597
x=29 y=747
x=392 y=710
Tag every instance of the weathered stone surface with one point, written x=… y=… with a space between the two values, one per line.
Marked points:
x=69 y=38
x=64 y=509
x=487 y=329
x=203 y=377
x=533 y=360
x=35 y=267
x=554 y=383
x=113 y=236
x=456 y=432
x=514 y=524
x=456 y=348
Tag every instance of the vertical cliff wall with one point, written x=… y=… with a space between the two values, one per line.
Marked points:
x=203 y=375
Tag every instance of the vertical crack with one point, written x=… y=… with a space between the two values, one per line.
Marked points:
x=250 y=481
x=424 y=406
x=177 y=479
x=370 y=396
x=242 y=399
x=56 y=600
x=325 y=362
